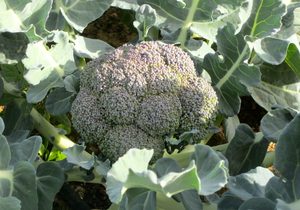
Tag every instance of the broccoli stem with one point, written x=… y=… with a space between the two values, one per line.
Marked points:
x=50 y=132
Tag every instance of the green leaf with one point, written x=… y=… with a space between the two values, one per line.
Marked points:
x=2 y=126
x=77 y=156
x=130 y=171
x=189 y=198
x=58 y=60
x=250 y=184
x=145 y=17
x=23 y=15
x=230 y=75
x=5 y=155
x=213 y=173
x=275 y=121
x=25 y=186
x=230 y=126
x=90 y=48
x=59 y=101
x=246 y=150
x=38 y=92
x=72 y=82
x=279 y=86
x=77 y=13
x=265 y=19
x=271 y=50
x=125 y=4
x=258 y=204
x=12 y=47
x=203 y=17
x=293 y=59
x=10 y=203
x=17 y=117
x=287 y=157
x=138 y=199
x=50 y=179
x=279 y=189
x=26 y=150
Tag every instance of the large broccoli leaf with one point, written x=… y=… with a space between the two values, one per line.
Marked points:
x=21 y=15
x=231 y=75
x=202 y=17
x=47 y=71
x=279 y=85
x=76 y=13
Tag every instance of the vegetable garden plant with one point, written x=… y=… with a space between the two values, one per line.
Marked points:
x=152 y=105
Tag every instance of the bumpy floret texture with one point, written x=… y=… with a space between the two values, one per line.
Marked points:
x=138 y=94
x=121 y=138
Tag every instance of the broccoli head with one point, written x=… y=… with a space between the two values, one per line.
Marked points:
x=137 y=95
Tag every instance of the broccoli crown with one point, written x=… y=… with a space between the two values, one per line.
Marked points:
x=138 y=94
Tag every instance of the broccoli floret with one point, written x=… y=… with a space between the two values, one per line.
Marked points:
x=159 y=114
x=121 y=138
x=138 y=94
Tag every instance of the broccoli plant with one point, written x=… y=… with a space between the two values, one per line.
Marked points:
x=138 y=94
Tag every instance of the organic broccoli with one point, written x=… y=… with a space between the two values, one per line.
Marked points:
x=137 y=95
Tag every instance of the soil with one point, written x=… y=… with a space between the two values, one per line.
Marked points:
x=115 y=28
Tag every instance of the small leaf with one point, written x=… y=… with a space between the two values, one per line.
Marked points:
x=77 y=13
x=203 y=18
x=12 y=47
x=275 y=121
x=279 y=189
x=250 y=184
x=59 y=101
x=287 y=157
x=38 y=92
x=26 y=150
x=72 y=82
x=25 y=185
x=145 y=18
x=125 y=4
x=2 y=126
x=57 y=60
x=293 y=59
x=17 y=116
x=50 y=179
x=230 y=125
x=213 y=173
x=23 y=15
x=265 y=18
x=279 y=86
x=10 y=203
x=230 y=75
x=246 y=150
x=78 y=156
x=90 y=48
x=131 y=171
x=258 y=204
x=5 y=155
